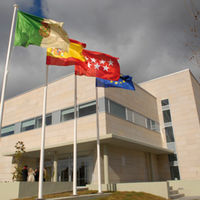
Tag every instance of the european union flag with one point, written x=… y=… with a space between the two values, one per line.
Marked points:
x=124 y=82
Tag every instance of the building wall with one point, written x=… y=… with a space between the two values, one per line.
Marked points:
x=183 y=93
x=131 y=165
x=61 y=95
x=139 y=100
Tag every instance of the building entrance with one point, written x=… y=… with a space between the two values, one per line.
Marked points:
x=84 y=170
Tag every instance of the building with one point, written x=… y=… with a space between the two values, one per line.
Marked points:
x=178 y=104
x=132 y=144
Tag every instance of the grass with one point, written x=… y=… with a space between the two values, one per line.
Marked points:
x=113 y=196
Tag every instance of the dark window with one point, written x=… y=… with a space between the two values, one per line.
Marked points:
x=165 y=102
x=167 y=116
x=39 y=121
x=28 y=125
x=87 y=109
x=172 y=157
x=8 y=130
x=107 y=105
x=67 y=114
x=174 y=172
x=169 y=134
x=117 y=110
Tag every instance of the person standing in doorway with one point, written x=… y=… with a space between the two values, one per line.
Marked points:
x=31 y=175
x=25 y=173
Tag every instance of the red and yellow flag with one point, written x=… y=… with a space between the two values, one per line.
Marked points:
x=62 y=58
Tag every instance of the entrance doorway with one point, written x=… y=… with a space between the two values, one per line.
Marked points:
x=84 y=170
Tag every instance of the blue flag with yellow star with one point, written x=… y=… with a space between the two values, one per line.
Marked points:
x=124 y=82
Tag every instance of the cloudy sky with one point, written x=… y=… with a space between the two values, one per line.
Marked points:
x=149 y=37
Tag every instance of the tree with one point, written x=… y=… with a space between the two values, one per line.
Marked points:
x=17 y=159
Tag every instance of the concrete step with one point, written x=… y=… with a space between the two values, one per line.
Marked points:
x=173 y=192
x=176 y=196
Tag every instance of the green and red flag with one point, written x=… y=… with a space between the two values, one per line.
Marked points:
x=33 y=30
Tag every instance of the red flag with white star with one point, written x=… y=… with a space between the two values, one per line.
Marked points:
x=99 y=65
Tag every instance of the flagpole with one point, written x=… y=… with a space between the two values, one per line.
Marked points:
x=41 y=170
x=98 y=144
x=6 y=67
x=75 y=138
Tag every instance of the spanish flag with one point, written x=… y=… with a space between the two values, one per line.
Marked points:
x=62 y=58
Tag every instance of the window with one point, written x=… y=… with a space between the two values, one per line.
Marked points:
x=167 y=116
x=67 y=114
x=28 y=125
x=8 y=130
x=165 y=102
x=129 y=115
x=172 y=157
x=169 y=134
x=117 y=110
x=39 y=121
x=174 y=172
x=139 y=119
x=107 y=104
x=148 y=123
x=87 y=109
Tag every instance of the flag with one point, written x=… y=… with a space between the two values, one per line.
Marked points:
x=33 y=30
x=99 y=65
x=62 y=58
x=124 y=82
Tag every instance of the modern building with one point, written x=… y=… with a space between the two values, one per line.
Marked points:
x=150 y=134
x=132 y=147
x=178 y=104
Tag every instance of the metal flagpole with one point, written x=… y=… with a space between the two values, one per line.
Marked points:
x=75 y=138
x=98 y=144
x=6 y=67
x=41 y=170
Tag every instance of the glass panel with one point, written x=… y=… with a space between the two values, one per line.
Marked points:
x=39 y=121
x=165 y=102
x=169 y=134
x=87 y=109
x=167 y=116
x=28 y=125
x=174 y=172
x=129 y=115
x=8 y=130
x=117 y=110
x=139 y=119
x=172 y=157
x=85 y=105
x=48 y=119
x=148 y=123
x=107 y=105
x=67 y=114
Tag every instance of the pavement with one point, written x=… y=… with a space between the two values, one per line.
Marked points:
x=82 y=197
x=190 y=198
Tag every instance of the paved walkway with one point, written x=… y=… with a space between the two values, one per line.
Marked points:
x=190 y=198
x=82 y=197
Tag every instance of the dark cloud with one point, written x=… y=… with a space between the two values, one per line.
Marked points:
x=149 y=37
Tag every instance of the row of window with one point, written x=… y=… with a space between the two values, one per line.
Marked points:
x=174 y=169
x=66 y=114
x=111 y=107
x=122 y=112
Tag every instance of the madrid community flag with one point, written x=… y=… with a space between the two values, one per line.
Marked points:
x=124 y=82
x=33 y=30
x=63 y=58
x=99 y=65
